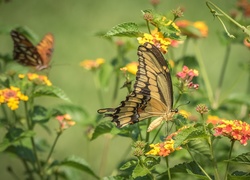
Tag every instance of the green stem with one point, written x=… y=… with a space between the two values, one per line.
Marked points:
x=103 y=163
x=36 y=157
x=4 y=112
x=156 y=135
x=216 y=173
x=30 y=127
x=203 y=72
x=198 y=163
x=117 y=72
x=229 y=157
x=184 y=50
x=15 y=118
x=221 y=78
x=245 y=30
x=99 y=92
x=140 y=134
x=147 y=133
x=148 y=27
x=53 y=146
x=178 y=98
x=215 y=168
x=27 y=115
x=168 y=168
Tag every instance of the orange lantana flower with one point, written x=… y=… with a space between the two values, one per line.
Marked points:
x=92 y=64
x=234 y=129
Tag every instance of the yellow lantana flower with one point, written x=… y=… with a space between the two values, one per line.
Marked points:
x=12 y=96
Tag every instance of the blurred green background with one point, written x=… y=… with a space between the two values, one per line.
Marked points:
x=74 y=24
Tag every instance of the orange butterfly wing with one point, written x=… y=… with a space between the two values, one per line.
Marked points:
x=45 y=49
x=27 y=54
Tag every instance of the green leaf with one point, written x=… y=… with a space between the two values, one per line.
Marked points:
x=80 y=164
x=140 y=171
x=128 y=29
x=151 y=162
x=238 y=175
x=52 y=91
x=190 y=168
x=200 y=146
x=183 y=135
x=22 y=152
x=14 y=135
x=40 y=114
x=119 y=177
x=129 y=164
x=102 y=128
x=242 y=159
x=188 y=134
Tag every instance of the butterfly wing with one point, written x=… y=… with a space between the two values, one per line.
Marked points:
x=153 y=75
x=27 y=54
x=45 y=49
x=152 y=94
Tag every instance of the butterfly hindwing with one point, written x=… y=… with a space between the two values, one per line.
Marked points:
x=152 y=94
x=27 y=54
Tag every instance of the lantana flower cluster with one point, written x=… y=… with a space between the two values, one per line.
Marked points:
x=197 y=29
x=12 y=96
x=156 y=38
x=162 y=149
x=167 y=147
x=186 y=76
x=36 y=78
x=235 y=130
x=92 y=64
x=65 y=121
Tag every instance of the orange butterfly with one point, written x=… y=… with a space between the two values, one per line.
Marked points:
x=27 y=54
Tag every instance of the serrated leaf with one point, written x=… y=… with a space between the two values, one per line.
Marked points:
x=190 y=168
x=242 y=159
x=128 y=29
x=200 y=146
x=129 y=164
x=80 y=164
x=183 y=135
x=188 y=134
x=52 y=91
x=140 y=171
x=102 y=128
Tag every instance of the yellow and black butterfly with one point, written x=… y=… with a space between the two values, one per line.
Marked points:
x=27 y=54
x=152 y=95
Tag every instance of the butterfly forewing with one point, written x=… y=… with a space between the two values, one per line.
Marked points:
x=159 y=83
x=152 y=94
x=45 y=48
x=27 y=54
